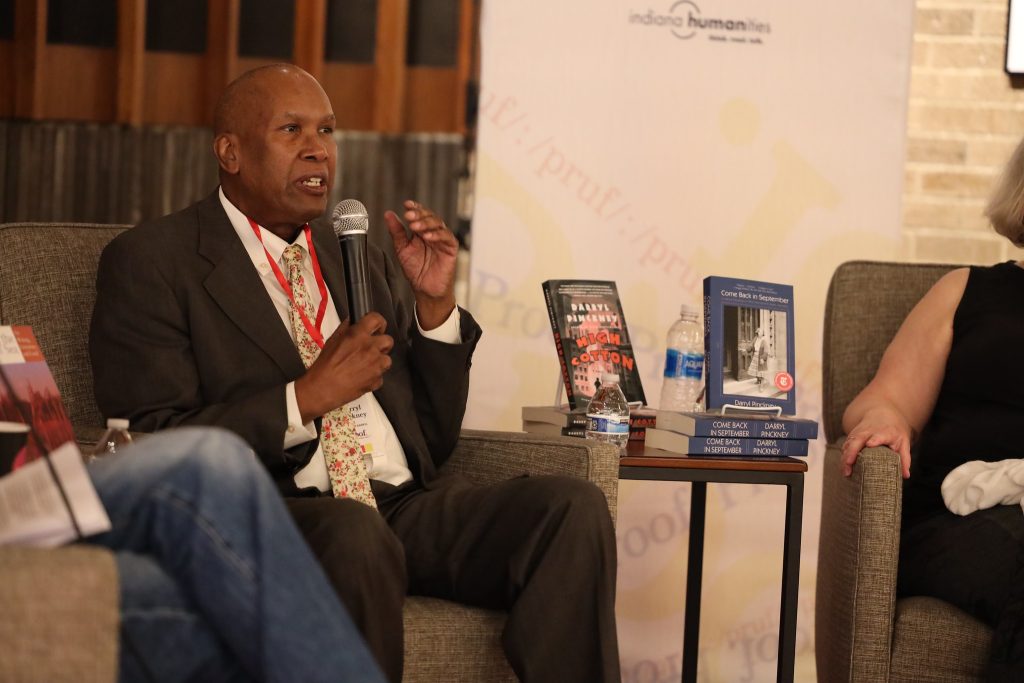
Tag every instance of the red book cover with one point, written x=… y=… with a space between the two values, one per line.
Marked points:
x=29 y=396
x=591 y=338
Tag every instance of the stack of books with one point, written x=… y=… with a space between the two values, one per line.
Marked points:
x=561 y=421
x=717 y=434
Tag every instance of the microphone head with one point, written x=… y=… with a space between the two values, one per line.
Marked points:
x=349 y=218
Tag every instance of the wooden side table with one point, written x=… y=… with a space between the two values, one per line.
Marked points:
x=656 y=465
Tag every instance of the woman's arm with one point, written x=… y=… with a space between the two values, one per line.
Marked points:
x=894 y=407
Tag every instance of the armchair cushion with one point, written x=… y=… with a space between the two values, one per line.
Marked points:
x=935 y=641
x=59 y=619
x=48 y=281
x=487 y=457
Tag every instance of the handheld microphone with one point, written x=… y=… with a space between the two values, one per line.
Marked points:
x=350 y=224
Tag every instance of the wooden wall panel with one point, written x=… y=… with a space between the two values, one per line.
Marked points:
x=389 y=84
x=82 y=83
x=29 y=63
x=310 y=23
x=6 y=78
x=430 y=97
x=131 y=53
x=350 y=87
x=246 y=63
x=128 y=84
x=173 y=90
x=221 y=48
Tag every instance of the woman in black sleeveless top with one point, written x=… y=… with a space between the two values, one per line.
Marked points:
x=953 y=377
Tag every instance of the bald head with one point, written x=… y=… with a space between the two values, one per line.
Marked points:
x=274 y=141
x=245 y=97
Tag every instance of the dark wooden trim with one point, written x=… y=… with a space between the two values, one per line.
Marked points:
x=310 y=25
x=389 y=58
x=131 y=51
x=29 y=71
x=467 y=60
x=221 y=49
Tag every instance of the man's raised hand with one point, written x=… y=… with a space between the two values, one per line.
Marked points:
x=428 y=260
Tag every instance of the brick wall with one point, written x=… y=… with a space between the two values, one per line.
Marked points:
x=963 y=121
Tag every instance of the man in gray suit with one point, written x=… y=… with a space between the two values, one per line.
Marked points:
x=194 y=324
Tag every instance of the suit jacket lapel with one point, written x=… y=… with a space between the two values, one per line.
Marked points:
x=237 y=288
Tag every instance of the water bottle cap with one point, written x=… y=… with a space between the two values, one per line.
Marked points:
x=117 y=423
x=686 y=310
x=609 y=378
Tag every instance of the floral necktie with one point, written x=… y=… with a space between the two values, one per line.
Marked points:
x=338 y=441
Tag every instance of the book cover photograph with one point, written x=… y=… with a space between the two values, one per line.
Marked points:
x=28 y=395
x=591 y=338
x=748 y=344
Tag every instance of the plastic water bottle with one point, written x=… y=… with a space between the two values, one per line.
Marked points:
x=608 y=414
x=684 y=363
x=115 y=438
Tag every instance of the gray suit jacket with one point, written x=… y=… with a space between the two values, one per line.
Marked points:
x=184 y=333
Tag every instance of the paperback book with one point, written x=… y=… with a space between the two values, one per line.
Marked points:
x=29 y=396
x=749 y=344
x=562 y=415
x=591 y=338
x=553 y=430
x=753 y=426
x=723 y=445
x=46 y=495
x=553 y=421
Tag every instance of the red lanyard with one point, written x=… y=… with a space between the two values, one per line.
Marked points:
x=314 y=332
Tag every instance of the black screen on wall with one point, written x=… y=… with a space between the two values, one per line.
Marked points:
x=351 y=31
x=266 y=28
x=78 y=22
x=433 y=33
x=176 y=26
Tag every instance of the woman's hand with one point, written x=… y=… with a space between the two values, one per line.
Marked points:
x=880 y=426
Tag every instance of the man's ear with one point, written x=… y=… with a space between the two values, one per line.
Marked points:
x=225 y=148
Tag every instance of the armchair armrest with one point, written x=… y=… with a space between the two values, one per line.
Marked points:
x=487 y=457
x=60 y=617
x=858 y=554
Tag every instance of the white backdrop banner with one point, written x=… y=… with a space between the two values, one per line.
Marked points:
x=655 y=143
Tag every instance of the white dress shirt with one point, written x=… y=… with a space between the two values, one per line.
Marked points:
x=387 y=462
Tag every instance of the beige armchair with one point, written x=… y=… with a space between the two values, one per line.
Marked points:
x=48 y=281
x=863 y=633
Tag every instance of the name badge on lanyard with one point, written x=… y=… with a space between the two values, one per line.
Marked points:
x=368 y=429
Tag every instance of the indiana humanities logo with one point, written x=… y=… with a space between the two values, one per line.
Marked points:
x=685 y=20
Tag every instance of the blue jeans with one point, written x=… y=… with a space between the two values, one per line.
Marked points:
x=216 y=582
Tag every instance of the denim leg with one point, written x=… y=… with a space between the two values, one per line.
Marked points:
x=163 y=638
x=201 y=506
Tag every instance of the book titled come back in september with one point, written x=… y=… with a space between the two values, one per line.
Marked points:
x=749 y=356
x=591 y=338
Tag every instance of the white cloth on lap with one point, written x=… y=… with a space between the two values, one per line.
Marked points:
x=979 y=485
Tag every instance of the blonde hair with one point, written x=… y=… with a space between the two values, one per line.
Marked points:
x=1005 y=209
